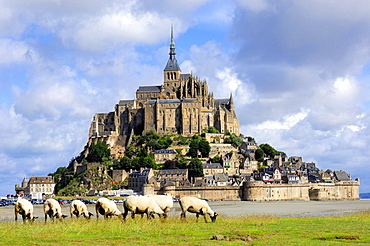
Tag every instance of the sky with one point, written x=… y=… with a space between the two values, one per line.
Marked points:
x=298 y=70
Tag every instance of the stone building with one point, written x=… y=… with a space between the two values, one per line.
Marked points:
x=182 y=105
x=36 y=184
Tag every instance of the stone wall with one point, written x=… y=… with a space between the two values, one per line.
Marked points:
x=335 y=191
x=223 y=193
x=258 y=191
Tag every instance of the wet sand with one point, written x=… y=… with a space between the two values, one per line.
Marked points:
x=241 y=208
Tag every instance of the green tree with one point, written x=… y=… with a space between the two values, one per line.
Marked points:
x=198 y=145
x=234 y=140
x=211 y=129
x=216 y=159
x=268 y=150
x=195 y=168
x=259 y=155
x=170 y=164
x=98 y=151
x=204 y=148
x=148 y=162
x=124 y=163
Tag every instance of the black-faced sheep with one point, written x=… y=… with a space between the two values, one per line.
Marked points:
x=198 y=206
x=53 y=209
x=141 y=205
x=24 y=208
x=107 y=208
x=78 y=208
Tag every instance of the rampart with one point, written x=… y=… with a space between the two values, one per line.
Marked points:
x=259 y=191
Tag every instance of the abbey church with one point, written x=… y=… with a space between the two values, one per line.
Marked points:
x=181 y=105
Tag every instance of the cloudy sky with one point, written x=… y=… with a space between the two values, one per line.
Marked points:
x=299 y=72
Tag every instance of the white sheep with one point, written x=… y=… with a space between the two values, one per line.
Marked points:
x=165 y=202
x=107 y=208
x=78 y=208
x=198 y=206
x=141 y=205
x=53 y=209
x=24 y=208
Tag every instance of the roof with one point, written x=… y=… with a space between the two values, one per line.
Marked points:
x=173 y=171
x=221 y=177
x=150 y=88
x=224 y=101
x=164 y=151
x=212 y=166
x=185 y=76
x=41 y=179
x=172 y=65
x=124 y=102
x=342 y=176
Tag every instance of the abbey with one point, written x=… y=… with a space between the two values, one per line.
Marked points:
x=181 y=105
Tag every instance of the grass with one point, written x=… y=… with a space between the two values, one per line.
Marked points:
x=348 y=229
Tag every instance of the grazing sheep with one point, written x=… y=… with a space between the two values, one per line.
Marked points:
x=198 y=206
x=165 y=202
x=141 y=205
x=107 y=207
x=53 y=209
x=78 y=208
x=24 y=208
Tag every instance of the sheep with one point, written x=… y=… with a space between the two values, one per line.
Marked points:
x=24 y=208
x=198 y=206
x=107 y=207
x=78 y=208
x=165 y=202
x=53 y=209
x=141 y=205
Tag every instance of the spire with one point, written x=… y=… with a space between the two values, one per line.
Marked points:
x=231 y=102
x=172 y=64
x=172 y=45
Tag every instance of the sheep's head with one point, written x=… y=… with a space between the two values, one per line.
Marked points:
x=213 y=218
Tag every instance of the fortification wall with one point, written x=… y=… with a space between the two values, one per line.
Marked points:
x=259 y=191
x=335 y=191
x=224 y=193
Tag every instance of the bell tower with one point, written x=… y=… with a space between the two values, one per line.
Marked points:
x=172 y=70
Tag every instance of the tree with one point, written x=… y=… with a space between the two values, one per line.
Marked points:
x=216 y=159
x=199 y=144
x=124 y=163
x=170 y=164
x=98 y=151
x=234 y=140
x=195 y=168
x=268 y=150
x=204 y=148
x=259 y=155
x=211 y=129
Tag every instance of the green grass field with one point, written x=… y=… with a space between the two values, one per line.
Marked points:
x=348 y=229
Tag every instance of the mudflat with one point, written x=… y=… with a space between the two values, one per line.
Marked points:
x=240 y=208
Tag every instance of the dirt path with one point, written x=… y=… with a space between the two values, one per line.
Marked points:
x=241 y=208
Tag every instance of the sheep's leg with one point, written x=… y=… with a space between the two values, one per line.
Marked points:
x=16 y=216
x=197 y=215
x=24 y=217
x=183 y=214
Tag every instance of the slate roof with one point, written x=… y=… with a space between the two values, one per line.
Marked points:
x=342 y=176
x=212 y=165
x=124 y=102
x=150 y=88
x=164 y=151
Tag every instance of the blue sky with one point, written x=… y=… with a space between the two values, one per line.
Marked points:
x=298 y=70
